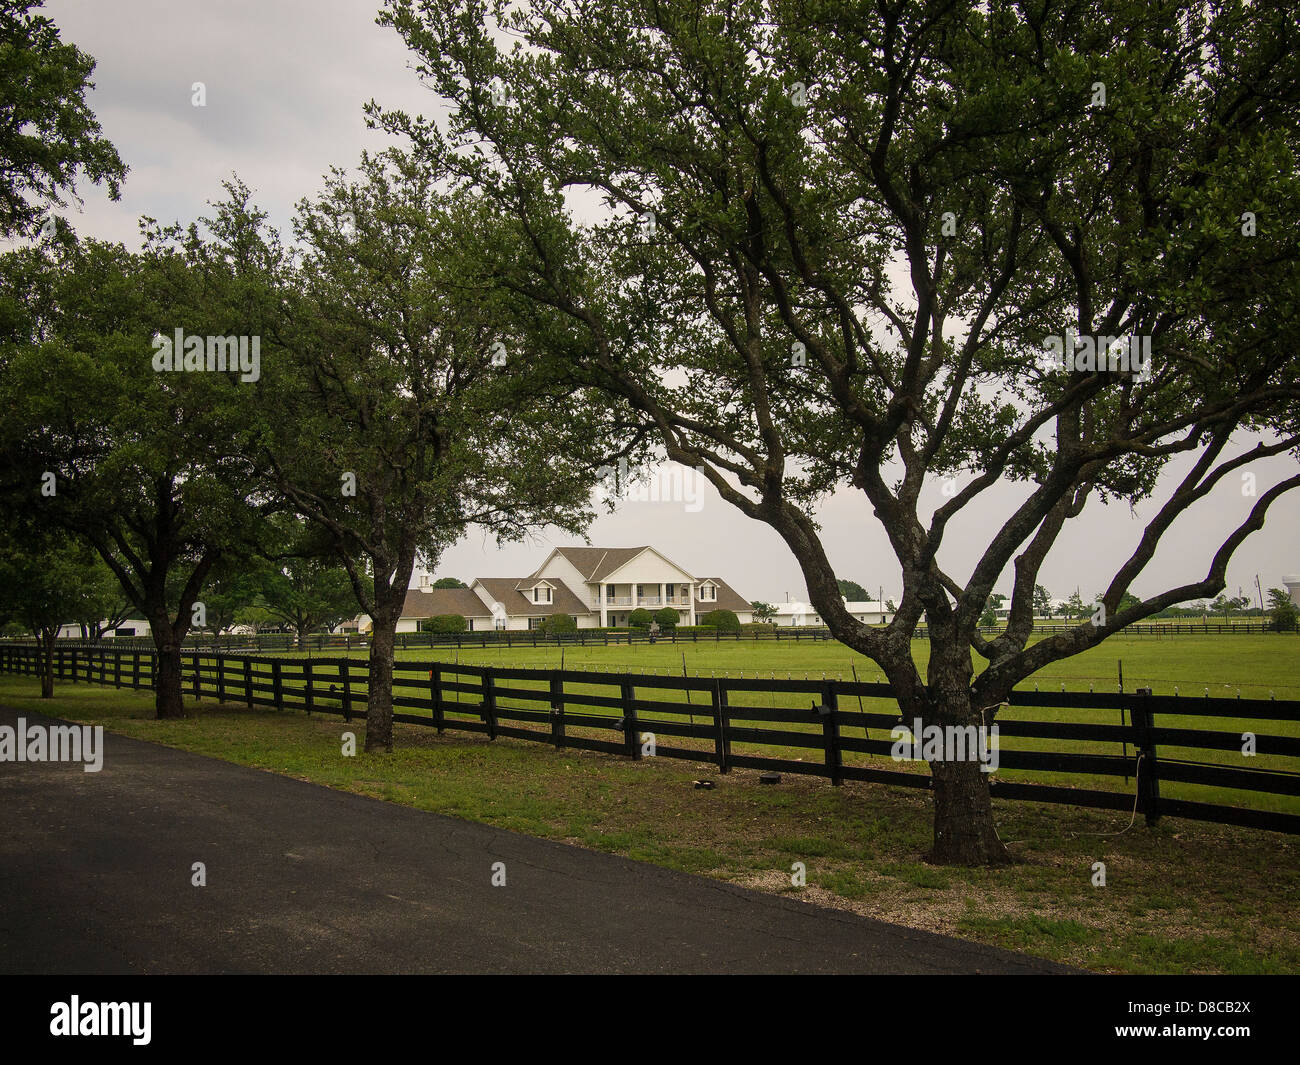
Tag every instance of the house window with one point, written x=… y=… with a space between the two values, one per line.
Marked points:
x=535 y=623
x=541 y=594
x=469 y=624
x=708 y=593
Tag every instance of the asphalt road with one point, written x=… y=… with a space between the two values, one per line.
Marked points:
x=96 y=870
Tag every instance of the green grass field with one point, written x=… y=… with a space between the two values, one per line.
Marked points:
x=1189 y=666
x=1254 y=666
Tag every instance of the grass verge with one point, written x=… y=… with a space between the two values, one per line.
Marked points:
x=1181 y=898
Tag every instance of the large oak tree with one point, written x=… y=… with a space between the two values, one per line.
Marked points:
x=821 y=245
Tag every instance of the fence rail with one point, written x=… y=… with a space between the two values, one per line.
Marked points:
x=720 y=720
x=277 y=641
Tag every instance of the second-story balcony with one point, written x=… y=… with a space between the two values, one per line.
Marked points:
x=611 y=600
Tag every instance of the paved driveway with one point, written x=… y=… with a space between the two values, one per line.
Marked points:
x=96 y=868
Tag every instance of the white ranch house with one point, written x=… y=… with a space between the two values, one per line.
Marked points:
x=598 y=586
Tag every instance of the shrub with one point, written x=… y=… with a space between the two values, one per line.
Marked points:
x=722 y=620
x=667 y=618
x=640 y=619
x=445 y=624
x=558 y=623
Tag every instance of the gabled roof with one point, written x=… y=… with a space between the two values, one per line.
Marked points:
x=505 y=590
x=435 y=601
x=595 y=563
x=728 y=597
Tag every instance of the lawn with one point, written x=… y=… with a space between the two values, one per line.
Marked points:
x=1182 y=897
x=1189 y=666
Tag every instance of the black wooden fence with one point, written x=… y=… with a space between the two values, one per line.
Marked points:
x=809 y=724
x=280 y=641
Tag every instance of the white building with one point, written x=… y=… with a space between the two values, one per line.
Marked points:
x=598 y=586
x=1292 y=583
x=867 y=611
x=129 y=627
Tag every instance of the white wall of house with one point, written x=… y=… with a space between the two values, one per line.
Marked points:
x=559 y=568
x=647 y=582
x=130 y=627
x=868 y=612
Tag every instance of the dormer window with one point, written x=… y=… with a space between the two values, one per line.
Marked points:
x=708 y=593
x=542 y=593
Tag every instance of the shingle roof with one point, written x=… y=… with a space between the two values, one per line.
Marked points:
x=595 y=563
x=505 y=590
x=435 y=601
x=728 y=597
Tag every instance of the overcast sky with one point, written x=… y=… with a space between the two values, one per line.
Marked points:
x=285 y=83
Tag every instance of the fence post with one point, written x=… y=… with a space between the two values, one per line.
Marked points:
x=490 y=703
x=198 y=691
x=631 y=734
x=831 y=734
x=557 y=711
x=1148 y=773
x=435 y=697
x=221 y=678
x=306 y=680
x=135 y=670
x=276 y=685
x=117 y=668
x=248 y=682
x=722 y=741
x=344 y=673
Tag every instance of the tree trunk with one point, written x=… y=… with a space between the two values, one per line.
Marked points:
x=964 y=830
x=379 y=701
x=168 y=701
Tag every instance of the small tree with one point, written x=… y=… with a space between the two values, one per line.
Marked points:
x=1283 y=611
x=1043 y=601
x=449 y=582
x=765 y=612
x=640 y=619
x=722 y=620
x=667 y=618
x=45 y=583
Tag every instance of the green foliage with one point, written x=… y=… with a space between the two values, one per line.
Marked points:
x=558 y=623
x=449 y=582
x=852 y=590
x=639 y=618
x=667 y=617
x=47 y=132
x=1043 y=605
x=765 y=612
x=1282 y=610
x=722 y=620
x=445 y=624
